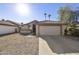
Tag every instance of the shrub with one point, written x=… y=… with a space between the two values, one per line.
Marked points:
x=74 y=32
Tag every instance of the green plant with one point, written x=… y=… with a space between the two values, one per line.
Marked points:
x=73 y=31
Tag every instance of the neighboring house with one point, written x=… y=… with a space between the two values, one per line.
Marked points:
x=24 y=29
x=32 y=23
x=7 y=27
x=50 y=28
x=24 y=26
x=32 y=26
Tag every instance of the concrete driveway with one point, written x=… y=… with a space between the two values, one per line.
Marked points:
x=61 y=45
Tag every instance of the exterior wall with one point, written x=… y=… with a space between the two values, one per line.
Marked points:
x=37 y=30
x=25 y=27
x=7 y=29
x=30 y=26
x=63 y=27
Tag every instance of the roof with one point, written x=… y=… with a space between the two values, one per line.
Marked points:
x=34 y=21
x=8 y=23
x=46 y=22
x=49 y=21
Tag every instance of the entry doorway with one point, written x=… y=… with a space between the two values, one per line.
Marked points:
x=34 y=29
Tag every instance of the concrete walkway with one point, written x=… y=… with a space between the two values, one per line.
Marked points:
x=44 y=48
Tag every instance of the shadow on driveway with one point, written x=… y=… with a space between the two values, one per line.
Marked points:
x=62 y=44
x=1 y=35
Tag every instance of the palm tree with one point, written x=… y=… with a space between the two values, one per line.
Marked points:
x=49 y=16
x=45 y=15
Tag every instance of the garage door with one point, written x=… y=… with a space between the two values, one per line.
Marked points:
x=6 y=29
x=49 y=30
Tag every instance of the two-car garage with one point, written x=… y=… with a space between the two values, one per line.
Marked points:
x=4 y=29
x=49 y=29
x=8 y=27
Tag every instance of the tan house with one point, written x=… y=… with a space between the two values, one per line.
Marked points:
x=32 y=23
x=32 y=26
x=50 y=28
x=24 y=29
x=7 y=27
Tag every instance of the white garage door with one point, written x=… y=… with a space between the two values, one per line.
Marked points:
x=6 y=29
x=49 y=30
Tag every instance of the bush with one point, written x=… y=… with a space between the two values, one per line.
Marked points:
x=74 y=32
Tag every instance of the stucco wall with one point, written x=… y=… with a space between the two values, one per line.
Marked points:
x=6 y=29
x=37 y=30
x=25 y=27
x=63 y=27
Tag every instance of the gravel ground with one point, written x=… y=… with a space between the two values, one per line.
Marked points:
x=16 y=44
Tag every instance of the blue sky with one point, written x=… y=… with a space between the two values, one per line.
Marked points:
x=36 y=11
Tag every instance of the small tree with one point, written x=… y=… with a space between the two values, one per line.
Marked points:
x=67 y=16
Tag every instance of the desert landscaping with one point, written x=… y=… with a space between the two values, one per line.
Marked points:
x=41 y=32
x=16 y=44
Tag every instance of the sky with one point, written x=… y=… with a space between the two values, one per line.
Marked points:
x=35 y=11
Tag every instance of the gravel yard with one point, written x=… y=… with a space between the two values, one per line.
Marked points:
x=16 y=44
